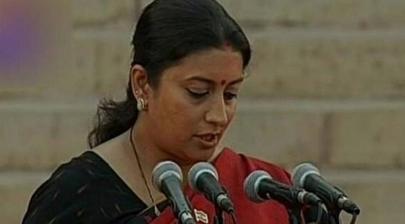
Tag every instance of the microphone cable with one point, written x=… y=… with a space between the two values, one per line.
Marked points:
x=354 y=218
x=332 y=219
x=319 y=215
x=220 y=214
x=233 y=218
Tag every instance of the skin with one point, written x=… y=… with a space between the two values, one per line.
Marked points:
x=196 y=96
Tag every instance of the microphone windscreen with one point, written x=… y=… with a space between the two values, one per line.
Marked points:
x=251 y=184
x=163 y=170
x=197 y=170
x=301 y=171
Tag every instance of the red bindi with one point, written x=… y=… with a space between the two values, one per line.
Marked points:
x=223 y=82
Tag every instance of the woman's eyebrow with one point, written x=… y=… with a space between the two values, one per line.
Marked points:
x=201 y=79
x=237 y=81
x=212 y=82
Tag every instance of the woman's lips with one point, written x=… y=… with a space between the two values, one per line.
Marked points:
x=208 y=140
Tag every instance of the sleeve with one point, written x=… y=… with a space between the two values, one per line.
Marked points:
x=60 y=199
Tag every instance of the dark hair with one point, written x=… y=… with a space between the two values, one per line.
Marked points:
x=167 y=31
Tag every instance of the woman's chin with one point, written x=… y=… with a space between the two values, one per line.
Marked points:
x=205 y=154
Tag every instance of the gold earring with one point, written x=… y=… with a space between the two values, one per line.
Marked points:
x=141 y=104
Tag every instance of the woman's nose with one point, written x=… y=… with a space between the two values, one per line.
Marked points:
x=216 y=113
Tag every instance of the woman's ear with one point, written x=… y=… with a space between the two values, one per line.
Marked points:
x=139 y=81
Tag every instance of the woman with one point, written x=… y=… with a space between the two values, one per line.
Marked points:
x=186 y=73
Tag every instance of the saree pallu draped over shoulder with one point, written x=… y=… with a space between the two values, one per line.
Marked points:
x=233 y=168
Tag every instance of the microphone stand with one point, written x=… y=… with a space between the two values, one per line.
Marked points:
x=295 y=215
x=321 y=215
x=219 y=215
x=333 y=216
x=187 y=213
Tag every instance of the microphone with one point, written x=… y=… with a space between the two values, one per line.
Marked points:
x=260 y=186
x=203 y=177
x=167 y=178
x=308 y=177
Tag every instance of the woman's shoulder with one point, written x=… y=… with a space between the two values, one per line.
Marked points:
x=76 y=173
x=78 y=188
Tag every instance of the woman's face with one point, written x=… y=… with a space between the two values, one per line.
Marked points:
x=194 y=104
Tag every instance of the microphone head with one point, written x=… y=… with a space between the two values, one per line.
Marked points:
x=301 y=171
x=163 y=170
x=251 y=184
x=200 y=168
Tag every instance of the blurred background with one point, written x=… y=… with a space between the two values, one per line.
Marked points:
x=326 y=85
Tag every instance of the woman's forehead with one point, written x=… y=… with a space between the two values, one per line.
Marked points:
x=215 y=65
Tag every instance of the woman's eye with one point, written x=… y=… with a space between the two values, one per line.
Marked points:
x=230 y=96
x=197 y=94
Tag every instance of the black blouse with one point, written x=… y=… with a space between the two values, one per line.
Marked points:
x=86 y=190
